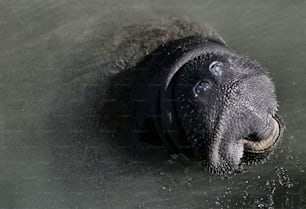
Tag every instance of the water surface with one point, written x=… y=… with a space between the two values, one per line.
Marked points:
x=54 y=155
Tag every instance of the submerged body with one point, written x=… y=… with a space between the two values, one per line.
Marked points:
x=196 y=96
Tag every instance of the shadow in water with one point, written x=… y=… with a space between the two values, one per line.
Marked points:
x=90 y=123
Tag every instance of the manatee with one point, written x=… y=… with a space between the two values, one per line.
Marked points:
x=192 y=94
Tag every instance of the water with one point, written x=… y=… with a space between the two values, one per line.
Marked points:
x=53 y=154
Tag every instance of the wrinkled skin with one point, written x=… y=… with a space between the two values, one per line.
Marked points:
x=207 y=102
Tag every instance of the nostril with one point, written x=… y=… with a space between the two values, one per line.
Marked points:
x=253 y=137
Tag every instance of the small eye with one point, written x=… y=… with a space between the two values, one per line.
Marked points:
x=200 y=87
x=216 y=68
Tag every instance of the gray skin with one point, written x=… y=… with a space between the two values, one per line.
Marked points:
x=207 y=102
x=195 y=96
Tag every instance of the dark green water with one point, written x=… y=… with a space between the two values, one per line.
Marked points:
x=53 y=154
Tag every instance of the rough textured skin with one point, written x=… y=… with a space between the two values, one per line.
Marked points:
x=181 y=98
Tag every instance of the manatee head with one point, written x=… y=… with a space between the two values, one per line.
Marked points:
x=206 y=101
x=226 y=106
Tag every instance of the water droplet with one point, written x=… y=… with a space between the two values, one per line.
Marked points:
x=216 y=68
x=201 y=87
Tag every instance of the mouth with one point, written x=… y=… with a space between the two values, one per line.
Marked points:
x=265 y=141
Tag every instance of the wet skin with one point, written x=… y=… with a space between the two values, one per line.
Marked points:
x=205 y=101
